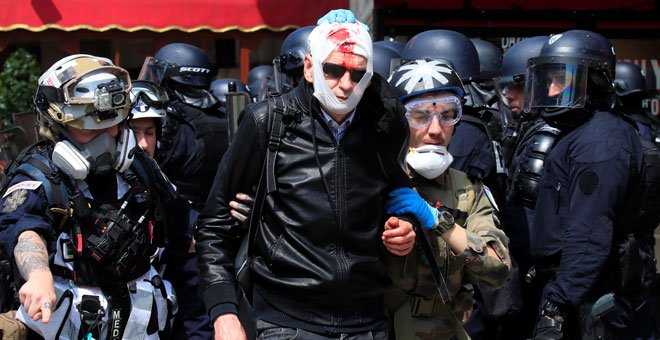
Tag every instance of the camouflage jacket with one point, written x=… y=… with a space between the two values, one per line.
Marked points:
x=413 y=298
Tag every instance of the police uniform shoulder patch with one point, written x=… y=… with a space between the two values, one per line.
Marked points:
x=27 y=185
x=490 y=197
x=14 y=200
x=588 y=182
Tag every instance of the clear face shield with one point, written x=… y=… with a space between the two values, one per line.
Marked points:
x=556 y=85
x=153 y=70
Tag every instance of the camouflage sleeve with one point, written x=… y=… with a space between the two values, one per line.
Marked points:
x=483 y=230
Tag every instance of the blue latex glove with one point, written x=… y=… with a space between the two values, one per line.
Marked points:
x=407 y=201
x=340 y=16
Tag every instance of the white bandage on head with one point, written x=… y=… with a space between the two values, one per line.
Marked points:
x=345 y=37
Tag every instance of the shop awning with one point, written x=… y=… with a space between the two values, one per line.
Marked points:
x=163 y=15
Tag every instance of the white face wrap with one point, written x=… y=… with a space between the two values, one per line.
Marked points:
x=345 y=37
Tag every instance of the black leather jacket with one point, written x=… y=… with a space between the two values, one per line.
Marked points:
x=321 y=266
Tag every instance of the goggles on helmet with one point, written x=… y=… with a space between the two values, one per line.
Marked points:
x=447 y=108
x=68 y=86
x=149 y=94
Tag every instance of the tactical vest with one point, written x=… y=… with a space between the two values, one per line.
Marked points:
x=109 y=243
x=537 y=141
x=212 y=135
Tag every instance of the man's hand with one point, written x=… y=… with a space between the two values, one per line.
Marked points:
x=228 y=327
x=399 y=236
x=37 y=295
x=242 y=207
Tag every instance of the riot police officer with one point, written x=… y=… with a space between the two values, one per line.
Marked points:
x=220 y=87
x=630 y=87
x=534 y=139
x=84 y=211
x=588 y=249
x=385 y=60
x=393 y=45
x=510 y=90
x=195 y=134
x=293 y=50
x=258 y=79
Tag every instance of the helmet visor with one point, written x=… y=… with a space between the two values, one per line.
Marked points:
x=556 y=85
x=153 y=70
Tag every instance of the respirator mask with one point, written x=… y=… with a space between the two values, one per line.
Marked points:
x=99 y=156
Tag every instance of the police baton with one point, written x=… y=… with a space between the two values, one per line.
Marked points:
x=277 y=74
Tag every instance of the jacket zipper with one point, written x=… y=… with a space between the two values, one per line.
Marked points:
x=341 y=259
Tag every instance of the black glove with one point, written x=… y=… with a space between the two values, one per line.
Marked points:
x=549 y=325
x=548 y=328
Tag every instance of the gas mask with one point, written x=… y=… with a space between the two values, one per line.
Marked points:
x=345 y=37
x=430 y=161
x=99 y=156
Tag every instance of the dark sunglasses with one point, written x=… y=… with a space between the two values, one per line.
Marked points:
x=337 y=71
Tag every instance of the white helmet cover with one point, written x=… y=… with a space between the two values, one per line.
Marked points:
x=84 y=91
x=148 y=100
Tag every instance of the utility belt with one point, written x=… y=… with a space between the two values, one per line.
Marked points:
x=425 y=308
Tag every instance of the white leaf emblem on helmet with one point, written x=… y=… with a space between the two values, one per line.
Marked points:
x=427 y=71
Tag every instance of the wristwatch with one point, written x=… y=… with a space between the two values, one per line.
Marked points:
x=445 y=220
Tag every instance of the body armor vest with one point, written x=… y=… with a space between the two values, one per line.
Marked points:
x=212 y=136
x=112 y=241
x=531 y=150
x=109 y=242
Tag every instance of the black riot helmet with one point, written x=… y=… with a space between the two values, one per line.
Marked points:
x=393 y=45
x=181 y=63
x=385 y=60
x=514 y=61
x=220 y=88
x=571 y=78
x=421 y=76
x=258 y=78
x=450 y=47
x=293 y=50
x=629 y=79
x=490 y=59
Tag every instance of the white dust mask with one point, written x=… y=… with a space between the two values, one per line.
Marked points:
x=429 y=161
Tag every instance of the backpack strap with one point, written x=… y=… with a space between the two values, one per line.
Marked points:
x=276 y=131
x=38 y=167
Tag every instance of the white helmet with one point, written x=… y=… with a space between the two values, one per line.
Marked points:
x=148 y=100
x=84 y=91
